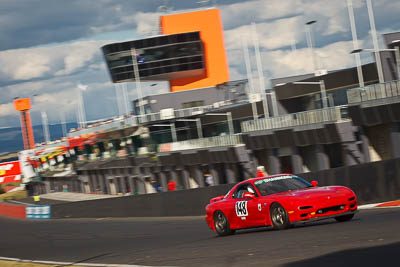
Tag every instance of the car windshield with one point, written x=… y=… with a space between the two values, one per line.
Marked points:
x=280 y=184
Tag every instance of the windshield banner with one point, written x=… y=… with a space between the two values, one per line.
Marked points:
x=266 y=180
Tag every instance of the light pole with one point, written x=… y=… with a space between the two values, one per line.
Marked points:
x=117 y=89
x=63 y=124
x=249 y=77
x=198 y=125
x=324 y=99
x=396 y=51
x=373 y=34
x=375 y=41
x=260 y=69
x=310 y=43
x=45 y=125
x=81 y=107
x=173 y=130
x=355 y=43
x=229 y=118
x=293 y=45
x=396 y=43
x=273 y=101
x=137 y=80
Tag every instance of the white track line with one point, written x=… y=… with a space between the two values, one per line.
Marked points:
x=72 y=263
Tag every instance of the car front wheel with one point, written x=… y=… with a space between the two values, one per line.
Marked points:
x=344 y=218
x=221 y=224
x=279 y=217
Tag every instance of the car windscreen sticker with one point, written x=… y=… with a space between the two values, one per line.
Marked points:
x=241 y=208
x=274 y=179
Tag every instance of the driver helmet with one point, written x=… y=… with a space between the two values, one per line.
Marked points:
x=250 y=189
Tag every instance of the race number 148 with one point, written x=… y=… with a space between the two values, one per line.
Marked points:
x=241 y=208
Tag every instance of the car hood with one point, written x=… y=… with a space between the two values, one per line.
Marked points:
x=315 y=193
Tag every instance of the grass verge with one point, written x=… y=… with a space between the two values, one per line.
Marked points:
x=13 y=196
x=4 y=263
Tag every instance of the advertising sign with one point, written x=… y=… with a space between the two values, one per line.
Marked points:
x=10 y=172
x=38 y=212
x=26 y=167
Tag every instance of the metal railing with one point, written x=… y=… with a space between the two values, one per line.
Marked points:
x=296 y=119
x=374 y=92
x=135 y=120
x=215 y=141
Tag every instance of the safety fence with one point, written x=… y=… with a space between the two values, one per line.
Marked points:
x=382 y=91
x=332 y=114
x=135 y=120
x=215 y=141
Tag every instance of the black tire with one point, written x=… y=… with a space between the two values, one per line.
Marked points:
x=344 y=218
x=279 y=217
x=221 y=224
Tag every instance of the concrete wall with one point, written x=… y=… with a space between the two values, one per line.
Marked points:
x=372 y=182
x=177 y=203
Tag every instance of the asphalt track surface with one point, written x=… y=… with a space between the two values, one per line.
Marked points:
x=372 y=238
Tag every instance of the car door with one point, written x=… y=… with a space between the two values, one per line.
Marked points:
x=246 y=212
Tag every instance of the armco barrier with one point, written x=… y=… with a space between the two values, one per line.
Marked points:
x=16 y=211
x=372 y=182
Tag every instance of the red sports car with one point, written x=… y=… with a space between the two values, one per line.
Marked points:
x=278 y=201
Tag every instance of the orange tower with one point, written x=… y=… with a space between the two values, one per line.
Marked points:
x=208 y=23
x=23 y=105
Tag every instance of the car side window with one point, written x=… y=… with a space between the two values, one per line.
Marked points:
x=244 y=188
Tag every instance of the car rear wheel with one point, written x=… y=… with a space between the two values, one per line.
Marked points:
x=279 y=217
x=344 y=218
x=221 y=224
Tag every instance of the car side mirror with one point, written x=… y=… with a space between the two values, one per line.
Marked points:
x=249 y=195
x=215 y=199
x=314 y=183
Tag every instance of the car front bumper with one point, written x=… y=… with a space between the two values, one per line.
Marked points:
x=319 y=218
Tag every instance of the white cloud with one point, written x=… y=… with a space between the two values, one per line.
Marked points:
x=7 y=109
x=279 y=33
x=147 y=23
x=282 y=63
x=53 y=71
x=40 y=62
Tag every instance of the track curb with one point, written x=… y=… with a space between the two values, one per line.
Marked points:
x=389 y=204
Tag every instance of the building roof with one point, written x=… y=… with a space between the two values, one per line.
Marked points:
x=339 y=79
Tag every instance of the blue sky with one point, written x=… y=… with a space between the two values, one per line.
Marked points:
x=49 y=46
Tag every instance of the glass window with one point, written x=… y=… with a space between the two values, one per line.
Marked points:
x=193 y=104
x=244 y=188
x=280 y=184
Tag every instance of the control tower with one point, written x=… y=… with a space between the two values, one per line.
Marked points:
x=23 y=105
x=190 y=53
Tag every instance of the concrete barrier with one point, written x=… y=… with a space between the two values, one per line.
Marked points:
x=372 y=182
x=176 y=203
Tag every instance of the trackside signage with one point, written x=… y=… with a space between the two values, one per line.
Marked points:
x=10 y=172
x=38 y=212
